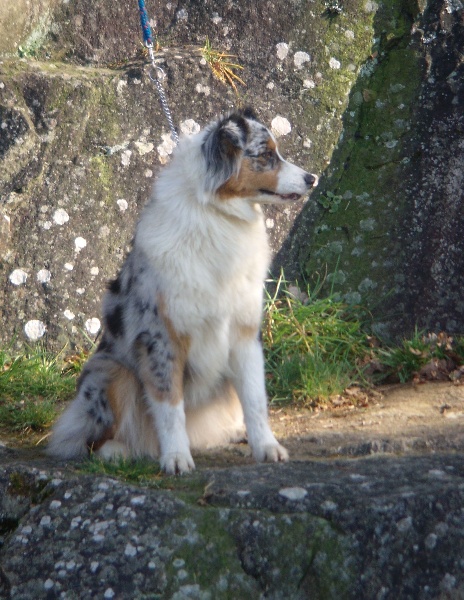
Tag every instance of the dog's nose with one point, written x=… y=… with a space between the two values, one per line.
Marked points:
x=311 y=180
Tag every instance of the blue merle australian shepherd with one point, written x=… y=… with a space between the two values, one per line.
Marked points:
x=180 y=365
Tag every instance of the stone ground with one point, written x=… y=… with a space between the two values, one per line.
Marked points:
x=369 y=508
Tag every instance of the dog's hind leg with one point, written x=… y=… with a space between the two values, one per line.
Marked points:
x=89 y=418
x=248 y=367
x=133 y=434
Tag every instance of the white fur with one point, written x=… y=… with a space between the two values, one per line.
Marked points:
x=215 y=260
x=207 y=258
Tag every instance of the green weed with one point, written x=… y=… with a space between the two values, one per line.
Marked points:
x=424 y=357
x=314 y=347
x=140 y=472
x=144 y=472
x=31 y=383
x=330 y=201
x=27 y=415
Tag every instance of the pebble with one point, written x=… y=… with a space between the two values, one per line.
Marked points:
x=130 y=550
x=138 y=500
x=293 y=493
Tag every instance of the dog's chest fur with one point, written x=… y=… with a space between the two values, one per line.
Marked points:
x=209 y=277
x=195 y=272
x=209 y=264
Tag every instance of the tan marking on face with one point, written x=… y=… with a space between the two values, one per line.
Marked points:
x=263 y=160
x=248 y=182
x=271 y=145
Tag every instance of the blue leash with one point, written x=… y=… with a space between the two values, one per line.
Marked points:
x=160 y=74
x=146 y=29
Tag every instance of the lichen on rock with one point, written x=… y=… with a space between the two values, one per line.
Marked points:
x=351 y=94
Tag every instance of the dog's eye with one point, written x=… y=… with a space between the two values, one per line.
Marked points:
x=268 y=155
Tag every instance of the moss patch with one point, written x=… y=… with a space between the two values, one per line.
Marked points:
x=349 y=247
x=27 y=486
x=208 y=558
x=232 y=554
x=339 y=46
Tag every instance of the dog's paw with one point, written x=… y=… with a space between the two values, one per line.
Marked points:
x=113 y=451
x=177 y=463
x=271 y=453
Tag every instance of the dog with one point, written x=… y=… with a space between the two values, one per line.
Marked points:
x=180 y=364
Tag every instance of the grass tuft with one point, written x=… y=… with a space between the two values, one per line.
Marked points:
x=315 y=347
x=147 y=473
x=140 y=472
x=28 y=415
x=221 y=67
x=31 y=383
x=424 y=357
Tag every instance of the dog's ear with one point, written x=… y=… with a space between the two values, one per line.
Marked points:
x=223 y=148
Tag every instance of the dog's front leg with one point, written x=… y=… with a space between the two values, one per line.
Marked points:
x=175 y=457
x=160 y=368
x=248 y=377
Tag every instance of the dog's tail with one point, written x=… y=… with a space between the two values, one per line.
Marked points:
x=88 y=420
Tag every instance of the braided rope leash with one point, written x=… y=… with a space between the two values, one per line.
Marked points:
x=160 y=74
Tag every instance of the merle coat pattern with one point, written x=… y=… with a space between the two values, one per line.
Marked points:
x=180 y=365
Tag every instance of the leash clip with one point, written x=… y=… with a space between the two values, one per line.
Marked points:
x=160 y=74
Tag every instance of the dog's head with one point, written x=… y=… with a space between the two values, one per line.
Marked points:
x=242 y=161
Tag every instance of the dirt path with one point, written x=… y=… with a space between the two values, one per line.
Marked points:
x=403 y=418
x=399 y=419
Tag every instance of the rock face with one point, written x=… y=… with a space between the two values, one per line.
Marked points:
x=387 y=527
x=389 y=228
x=82 y=137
